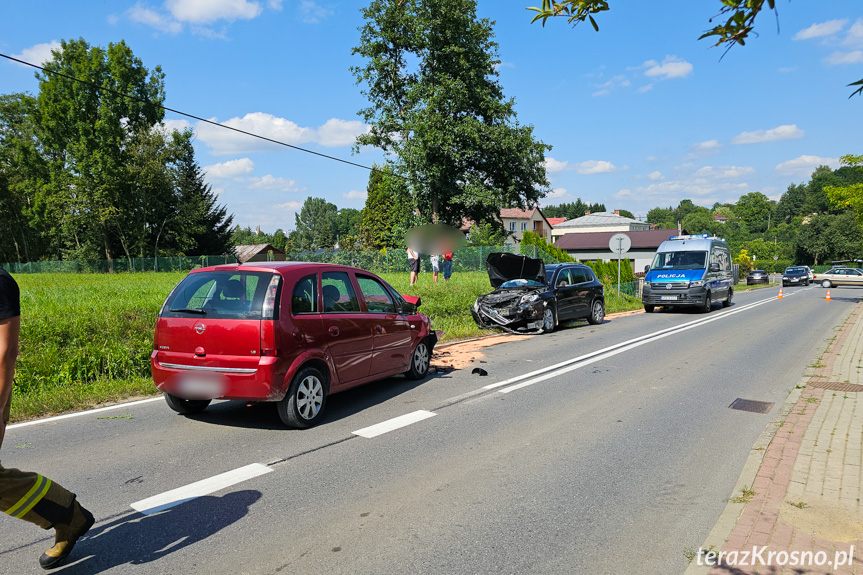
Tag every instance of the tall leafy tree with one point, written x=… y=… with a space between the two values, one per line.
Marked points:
x=316 y=225
x=437 y=108
x=665 y=218
x=389 y=211
x=85 y=128
x=755 y=210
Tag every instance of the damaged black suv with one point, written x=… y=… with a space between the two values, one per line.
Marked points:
x=530 y=297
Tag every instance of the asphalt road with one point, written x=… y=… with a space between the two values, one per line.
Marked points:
x=595 y=449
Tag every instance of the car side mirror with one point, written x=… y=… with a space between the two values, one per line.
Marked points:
x=714 y=267
x=646 y=268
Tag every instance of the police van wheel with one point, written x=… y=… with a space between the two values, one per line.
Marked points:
x=727 y=301
x=649 y=308
x=707 y=304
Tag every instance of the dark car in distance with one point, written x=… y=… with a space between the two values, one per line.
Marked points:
x=530 y=297
x=757 y=277
x=797 y=275
x=286 y=332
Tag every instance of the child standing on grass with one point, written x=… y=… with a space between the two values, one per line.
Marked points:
x=435 y=264
x=24 y=494
x=447 y=266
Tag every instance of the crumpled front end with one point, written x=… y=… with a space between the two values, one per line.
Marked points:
x=513 y=310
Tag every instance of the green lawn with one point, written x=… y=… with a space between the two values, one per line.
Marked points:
x=86 y=339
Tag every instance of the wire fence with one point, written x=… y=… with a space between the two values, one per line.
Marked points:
x=466 y=259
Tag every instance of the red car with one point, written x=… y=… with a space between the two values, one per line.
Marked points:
x=289 y=332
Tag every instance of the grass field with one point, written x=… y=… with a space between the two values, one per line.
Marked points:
x=86 y=339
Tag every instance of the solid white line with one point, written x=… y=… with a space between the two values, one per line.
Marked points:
x=80 y=413
x=174 y=497
x=626 y=346
x=393 y=424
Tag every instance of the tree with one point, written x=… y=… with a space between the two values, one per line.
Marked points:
x=626 y=214
x=755 y=210
x=389 y=211
x=736 y=29
x=568 y=210
x=791 y=203
x=491 y=233
x=700 y=222
x=316 y=225
x=664 y=218
x=437 y=108
x=849 y=195
x=84 y=130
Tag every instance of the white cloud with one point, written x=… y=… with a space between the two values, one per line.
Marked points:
x=556 y=194
x=855 y=34
x=356 y=195
x=144 y=15
x=175 y=125
x=821 y=30
x=805 y=165
x=596 y=167
x=723 y=172
x=671 y=67
x=38 y=53
x=294 y=206
x=708 y=145
x=645 y=88
x=231 y=168
x=619 y=81
x=657 y=175
x=552 y=166
x=784 y=132
x=270 y=182
x=839 y=58
x=312 y=12
x=333 y=133
x=274 y=4
x=206 y=11
x=787 y=69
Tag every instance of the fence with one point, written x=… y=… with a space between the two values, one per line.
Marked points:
x=466 y=259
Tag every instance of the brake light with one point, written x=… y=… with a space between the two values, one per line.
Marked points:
x=269 y=310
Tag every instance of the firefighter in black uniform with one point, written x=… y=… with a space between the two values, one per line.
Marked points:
x=24 y=494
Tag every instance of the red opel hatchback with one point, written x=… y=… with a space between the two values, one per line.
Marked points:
x=289 y=332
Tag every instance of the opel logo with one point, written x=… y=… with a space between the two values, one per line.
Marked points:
x=200 y=328
x=667 y=286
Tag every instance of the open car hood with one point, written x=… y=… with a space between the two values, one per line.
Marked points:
x=503 y=267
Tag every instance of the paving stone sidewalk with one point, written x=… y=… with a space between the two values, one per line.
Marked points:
x=805 y=504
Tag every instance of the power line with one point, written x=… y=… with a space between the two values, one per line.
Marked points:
x=198 y=118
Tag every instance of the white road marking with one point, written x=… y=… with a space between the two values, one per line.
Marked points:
x=80 y=413
x=582 y=361
x=174 y=497
x=393 y=424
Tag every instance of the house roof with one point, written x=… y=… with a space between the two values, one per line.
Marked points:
x=516 y=213
x=555 y=221
x=598 y=219
x=641 y=239
x=245 y=253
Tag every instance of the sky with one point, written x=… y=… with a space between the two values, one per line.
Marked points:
x=639 y=115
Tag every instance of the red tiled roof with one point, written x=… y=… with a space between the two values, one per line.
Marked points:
x=641 y=239
x=555 y=221
x=515 y=213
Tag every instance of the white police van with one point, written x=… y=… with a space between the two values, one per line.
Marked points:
x=692 y=271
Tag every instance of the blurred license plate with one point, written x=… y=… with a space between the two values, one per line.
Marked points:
x=201 y=385
x=667 y=297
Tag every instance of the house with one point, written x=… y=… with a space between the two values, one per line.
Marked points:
x=516 y=222
x=719 y=218
x=599 y=222
x=258 y=253
x=593 y=246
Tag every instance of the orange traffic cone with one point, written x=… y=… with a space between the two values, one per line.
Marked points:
x=828 y=296
x=780 y=293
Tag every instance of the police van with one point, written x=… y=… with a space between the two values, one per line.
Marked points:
x=693 y=271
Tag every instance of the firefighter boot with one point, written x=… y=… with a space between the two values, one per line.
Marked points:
x=66 y=537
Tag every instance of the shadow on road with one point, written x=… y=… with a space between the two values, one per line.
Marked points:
x=138 y=539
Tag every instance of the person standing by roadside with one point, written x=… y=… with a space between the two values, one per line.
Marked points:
x=447 y=267
x=414 y=265
x=24 y=494
x=435 y=264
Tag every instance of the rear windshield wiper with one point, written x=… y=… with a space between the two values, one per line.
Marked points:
x=190 y=310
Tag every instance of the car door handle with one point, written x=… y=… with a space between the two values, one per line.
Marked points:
x=334 y=331
x=379 y=329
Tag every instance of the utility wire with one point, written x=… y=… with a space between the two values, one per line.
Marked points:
x=198 y=118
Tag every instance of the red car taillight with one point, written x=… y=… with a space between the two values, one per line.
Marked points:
x=269 y=315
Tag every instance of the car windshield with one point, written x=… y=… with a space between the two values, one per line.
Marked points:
x=219 y=295
x=795 y=270
x=521 y=283
x=679 y=260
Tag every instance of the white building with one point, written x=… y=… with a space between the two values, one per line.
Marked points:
x=599 y=222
